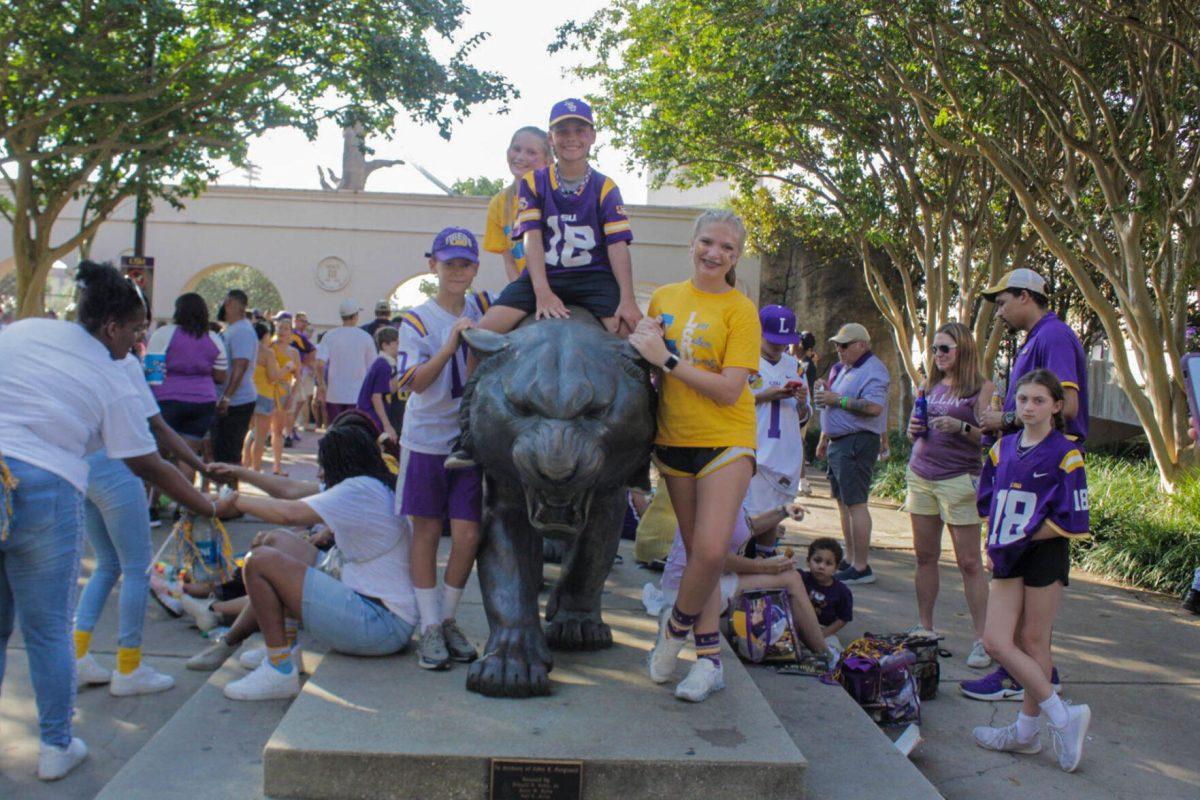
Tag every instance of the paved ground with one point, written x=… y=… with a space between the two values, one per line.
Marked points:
x=1133 y=656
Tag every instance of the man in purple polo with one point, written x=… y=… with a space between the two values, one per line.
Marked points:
x=1020 y=298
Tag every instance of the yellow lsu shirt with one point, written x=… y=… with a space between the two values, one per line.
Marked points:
x=497 y=235
x=712 y=332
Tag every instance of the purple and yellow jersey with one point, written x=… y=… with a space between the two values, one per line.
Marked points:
x=576 y=228
x=1052 y=345
x=1018 y=493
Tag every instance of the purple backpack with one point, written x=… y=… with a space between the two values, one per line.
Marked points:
x=760 y=628
x=878 y=674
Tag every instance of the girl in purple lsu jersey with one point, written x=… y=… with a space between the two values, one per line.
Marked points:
x=1033 y=491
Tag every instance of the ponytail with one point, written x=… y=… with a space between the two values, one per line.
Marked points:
x=104 y=296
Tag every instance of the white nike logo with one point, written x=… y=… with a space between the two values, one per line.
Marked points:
x=1040 y=474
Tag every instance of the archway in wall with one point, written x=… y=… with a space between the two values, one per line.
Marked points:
x=412 y=291
x=214 y=282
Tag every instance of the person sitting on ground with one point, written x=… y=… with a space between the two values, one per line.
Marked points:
x=831 y=599
x=372 y=610
x=742 y=573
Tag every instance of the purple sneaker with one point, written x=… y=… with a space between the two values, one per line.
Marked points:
x=999 y=685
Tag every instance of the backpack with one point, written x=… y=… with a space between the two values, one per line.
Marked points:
x=760 y=628
x=877 y=673
x=927 y=671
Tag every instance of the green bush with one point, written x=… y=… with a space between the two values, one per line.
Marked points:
x=1140 y=535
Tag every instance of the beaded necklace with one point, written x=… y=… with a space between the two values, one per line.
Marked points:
x=558 y=179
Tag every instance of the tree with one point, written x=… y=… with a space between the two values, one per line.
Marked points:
x=789 y=95
x=481 y=186
x=1115 y=192
x=109 y=100
x=260 y=292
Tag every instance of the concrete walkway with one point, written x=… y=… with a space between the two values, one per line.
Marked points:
x=1134 y=657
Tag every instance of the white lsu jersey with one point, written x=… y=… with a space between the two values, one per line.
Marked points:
x=780 y=445
x=431 y=416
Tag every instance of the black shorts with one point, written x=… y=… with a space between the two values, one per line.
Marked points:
x=193 y=420
x=229 y=432
x=597 y=291
x=1043 y=562
x=697 y=462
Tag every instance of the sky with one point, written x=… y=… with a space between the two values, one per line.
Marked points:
x=516 y=48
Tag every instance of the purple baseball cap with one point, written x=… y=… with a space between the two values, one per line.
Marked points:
x=571 y=108
x=453 y=243
x=778 y=325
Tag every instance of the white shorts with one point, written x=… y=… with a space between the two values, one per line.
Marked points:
x=728 y=585
x=765 y=494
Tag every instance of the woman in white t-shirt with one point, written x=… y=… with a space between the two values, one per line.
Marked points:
x=372 y=610
x=64 y=394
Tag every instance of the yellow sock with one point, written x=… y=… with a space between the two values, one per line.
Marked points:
x=83 y=641
x=128 y=659
x=291 y=628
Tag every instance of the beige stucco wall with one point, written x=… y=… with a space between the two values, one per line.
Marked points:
x=381 y=237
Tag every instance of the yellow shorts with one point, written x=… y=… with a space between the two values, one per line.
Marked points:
x=952 y=499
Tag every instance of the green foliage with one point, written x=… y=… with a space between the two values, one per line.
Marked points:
x=481 y=186
x=215 y=285
x=100 y=100
x=428 y=287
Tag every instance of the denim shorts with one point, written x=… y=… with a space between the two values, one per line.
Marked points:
x=347 y=621
x=264 y=405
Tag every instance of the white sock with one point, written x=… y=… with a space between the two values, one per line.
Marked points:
x=1055 y=710
x=428 y=601
x=1027 y=726
x=450 y=598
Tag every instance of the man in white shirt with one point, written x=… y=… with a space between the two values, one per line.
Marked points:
x=343 y=358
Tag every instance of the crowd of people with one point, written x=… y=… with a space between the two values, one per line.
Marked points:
x=83 y=422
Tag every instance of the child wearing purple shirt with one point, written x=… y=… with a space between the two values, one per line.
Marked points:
x=831 y=599
x=379 y=382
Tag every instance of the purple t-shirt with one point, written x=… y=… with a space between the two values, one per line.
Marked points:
x=189 y=366
x=938 y=456
x=1052 y=345
x=1020 y=491
x=377 y=381
x=576 y=228
x=831 y=602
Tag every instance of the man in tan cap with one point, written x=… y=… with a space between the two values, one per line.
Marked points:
x=853 y=417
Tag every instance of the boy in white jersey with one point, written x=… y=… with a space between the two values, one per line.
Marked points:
x=432 y=364
x=781 y=404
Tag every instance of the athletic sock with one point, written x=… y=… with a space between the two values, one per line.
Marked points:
x=679 y=623
x=291 y=629
x=83 y=641
x=128 y=659
x=1027 y=726
x=1055 y=710
x=428 y=601
x=281 y=659
x=708 y=645
x=450 y=598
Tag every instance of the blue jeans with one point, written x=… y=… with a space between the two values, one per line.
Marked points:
x=39 y=564
x=348 y=622
x=117 y=520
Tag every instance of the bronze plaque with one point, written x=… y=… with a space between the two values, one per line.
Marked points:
x=528 y=779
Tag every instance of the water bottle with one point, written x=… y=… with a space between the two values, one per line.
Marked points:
x=921 y=412
x=818 y=387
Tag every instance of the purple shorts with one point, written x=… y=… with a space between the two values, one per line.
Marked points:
x=431 y=490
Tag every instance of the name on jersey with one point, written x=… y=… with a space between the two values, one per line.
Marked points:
x=568 y=217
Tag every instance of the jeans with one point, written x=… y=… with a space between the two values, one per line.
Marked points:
x=39 y=564
x=116 y=517
x=342 y=618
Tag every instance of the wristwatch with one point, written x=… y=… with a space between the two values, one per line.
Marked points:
x=1010 y=420
x=671 y=363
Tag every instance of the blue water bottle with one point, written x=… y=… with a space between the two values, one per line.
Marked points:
x=921 y=412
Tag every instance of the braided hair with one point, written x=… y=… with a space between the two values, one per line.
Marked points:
x=106 y=296
x=348 y=451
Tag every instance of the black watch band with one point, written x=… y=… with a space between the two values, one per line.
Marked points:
x=1010 y=420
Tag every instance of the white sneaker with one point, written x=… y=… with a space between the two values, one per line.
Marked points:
x=250 y=659
x=922 y=632
x=665 y=653
x=1068 y=740
x=88 y=672
x=143 y=680
x=702 y=679
x=1005 y=740
x=265 y=683
x=201 y=611
x=55 y=762
x=212 y=657
x=978 y=657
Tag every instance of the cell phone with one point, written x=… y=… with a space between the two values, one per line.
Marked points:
x=1191 y=382
x=792 y=386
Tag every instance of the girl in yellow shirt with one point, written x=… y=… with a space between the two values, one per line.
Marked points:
x=528 y=150
x=705 y=335
x=276 y=367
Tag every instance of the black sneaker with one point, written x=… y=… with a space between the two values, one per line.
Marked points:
x=844 y=565
x=287 y=441
x=851 y=576
x=1192 y=601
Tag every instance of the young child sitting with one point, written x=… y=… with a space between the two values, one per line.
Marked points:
x=831 y=599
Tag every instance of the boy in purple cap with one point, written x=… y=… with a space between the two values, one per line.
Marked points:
x=572 y=220
x=781 y=404
x=431 y=362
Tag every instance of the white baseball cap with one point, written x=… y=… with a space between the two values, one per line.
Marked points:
x=1017 y=279
x=348 y=308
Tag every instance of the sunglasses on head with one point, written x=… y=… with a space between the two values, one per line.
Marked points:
x=944 y=349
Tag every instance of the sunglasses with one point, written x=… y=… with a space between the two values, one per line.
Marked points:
x=944 y=349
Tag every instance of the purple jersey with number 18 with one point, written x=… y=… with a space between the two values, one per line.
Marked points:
x=576 y=228
x=1018 y=492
